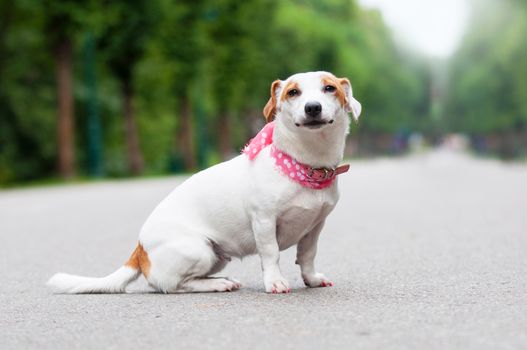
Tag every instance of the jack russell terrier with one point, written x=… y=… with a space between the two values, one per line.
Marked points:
x=274 y=195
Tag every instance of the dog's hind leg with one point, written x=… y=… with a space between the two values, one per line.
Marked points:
x=212 y=284
x=184 y=266
x=209 y=284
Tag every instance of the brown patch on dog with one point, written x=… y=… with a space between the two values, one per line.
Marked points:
x=340 y=93
x=270 y=108
x=139 y=260
x=292 y=85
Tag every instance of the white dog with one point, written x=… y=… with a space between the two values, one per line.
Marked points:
x=275 y=195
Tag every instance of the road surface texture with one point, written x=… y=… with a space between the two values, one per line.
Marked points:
x=426 y=252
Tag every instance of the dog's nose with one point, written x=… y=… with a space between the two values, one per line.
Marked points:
x=313 y=109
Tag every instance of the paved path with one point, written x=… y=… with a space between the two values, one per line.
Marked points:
x=426 y=253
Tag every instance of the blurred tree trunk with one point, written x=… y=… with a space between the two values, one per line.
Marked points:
x=224 y=137
x=185 y=135
x=63 y=53
x=124 y=40
x=134 y=154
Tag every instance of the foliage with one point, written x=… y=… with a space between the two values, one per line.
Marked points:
x=487 y=90
x=219 y=57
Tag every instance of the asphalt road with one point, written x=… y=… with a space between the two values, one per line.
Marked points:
x=426 y=252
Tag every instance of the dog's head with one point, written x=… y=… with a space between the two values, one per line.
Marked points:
x=312 y=100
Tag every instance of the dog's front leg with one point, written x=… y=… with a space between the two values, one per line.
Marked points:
x=305 y=257
x=265 y=237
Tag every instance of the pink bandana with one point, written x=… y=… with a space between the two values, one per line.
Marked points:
x=316 y=178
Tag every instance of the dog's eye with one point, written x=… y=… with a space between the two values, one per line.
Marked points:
x=292 y=92
x=329 y=88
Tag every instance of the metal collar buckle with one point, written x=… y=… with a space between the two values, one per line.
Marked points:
x=320 y=174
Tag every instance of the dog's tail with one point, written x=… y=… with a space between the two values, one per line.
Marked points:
x=113 y=283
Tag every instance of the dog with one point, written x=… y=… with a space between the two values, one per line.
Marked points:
x=274 y=195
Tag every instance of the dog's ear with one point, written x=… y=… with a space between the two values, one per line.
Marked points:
x=270 y=108
x=352 y=105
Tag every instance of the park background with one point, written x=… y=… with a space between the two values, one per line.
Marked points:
x=426 y=246
x=92 y=89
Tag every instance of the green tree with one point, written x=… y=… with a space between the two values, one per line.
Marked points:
x=128 y=27
x=487 y=88
x=27 y=105
x=186 y=69
x=235 y=45
x=63 y=20
x=181 y=34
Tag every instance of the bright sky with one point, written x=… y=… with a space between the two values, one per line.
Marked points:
x=434 y=27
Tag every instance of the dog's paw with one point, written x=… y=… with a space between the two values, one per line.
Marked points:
x=225 y=285
x=237 y=284
x=317 y=280
x=277 y=286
